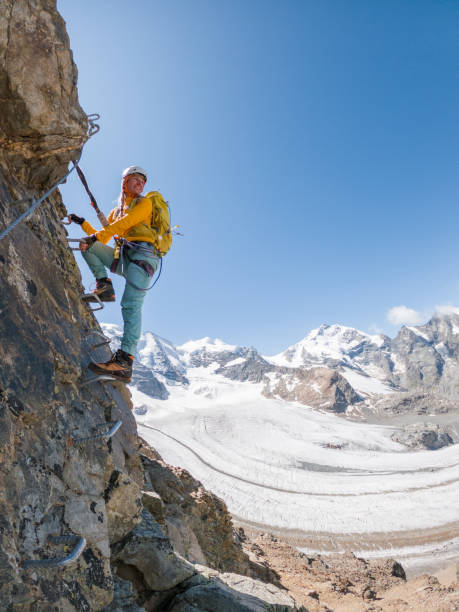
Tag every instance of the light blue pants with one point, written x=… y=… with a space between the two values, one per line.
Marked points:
x=100 y=257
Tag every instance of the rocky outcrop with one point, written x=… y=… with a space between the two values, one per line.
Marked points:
x=197 y=521
x=424 y=436
x=212 y=591
x=147 y=549
x=318 y=387
x=418 y=364
x=42 y=125
x=420 y=403
x=249 y=367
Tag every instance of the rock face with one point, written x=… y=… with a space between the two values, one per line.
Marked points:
x=424 y=435
x=40 y=118
x=317 y=387
x=197 y=522
x=249 y=366
x=421 y=403
x=59 y=475
x=232 y=593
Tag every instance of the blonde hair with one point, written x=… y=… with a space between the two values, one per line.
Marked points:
x=122 y=195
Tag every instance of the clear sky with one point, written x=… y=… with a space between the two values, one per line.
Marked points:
x=308 y=149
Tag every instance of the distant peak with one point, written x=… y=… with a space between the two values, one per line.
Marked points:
x=212 y=345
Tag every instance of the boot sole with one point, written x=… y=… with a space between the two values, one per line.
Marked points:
x=91 y=299
x=97 y=370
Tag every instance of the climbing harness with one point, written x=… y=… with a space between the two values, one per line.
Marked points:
x=93 y=129
x=106 y=435
x=92 y=200
x=79 y=543
x=124 y=245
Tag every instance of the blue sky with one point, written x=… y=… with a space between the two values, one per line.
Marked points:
x=308 y=150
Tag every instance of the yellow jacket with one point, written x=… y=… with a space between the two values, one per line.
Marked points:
x=134 y=222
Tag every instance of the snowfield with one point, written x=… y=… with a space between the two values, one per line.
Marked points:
x=285 y=466
x=323 y=482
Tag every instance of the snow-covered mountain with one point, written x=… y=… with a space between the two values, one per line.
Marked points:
x=263 y=432
x=418 y=358
x=333 y=345
x=334 y=367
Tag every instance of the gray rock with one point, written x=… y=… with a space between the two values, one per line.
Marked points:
x=124 y=599
x=149 y=550
x=423 y=435
x=199 y=525
x=317 y=387
x=420 y=364
x=252 y=367
x=420 y=403
x=232 y=593
x=154 y=504
x=123 y=502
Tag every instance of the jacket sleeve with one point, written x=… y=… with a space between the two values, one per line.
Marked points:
x=140 y=212
x=88 y=228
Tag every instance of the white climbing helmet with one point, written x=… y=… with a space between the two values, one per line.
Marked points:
x=134 y=170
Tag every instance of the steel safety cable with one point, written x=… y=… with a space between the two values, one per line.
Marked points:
x=93 y=129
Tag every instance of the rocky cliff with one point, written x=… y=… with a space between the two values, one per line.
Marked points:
x=60 y=473
x=91 y=518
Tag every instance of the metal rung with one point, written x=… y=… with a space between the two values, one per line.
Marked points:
x=93 y=126
x=79 y=542
x=98 y=333
x=115 y=425
x=101 y=378
x=80 y=240
x=96 y=298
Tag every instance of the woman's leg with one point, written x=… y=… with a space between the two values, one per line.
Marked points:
x=131 y=304
x=99 y=257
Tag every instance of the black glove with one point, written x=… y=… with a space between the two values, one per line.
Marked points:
x=76 y=219
x=89 y=241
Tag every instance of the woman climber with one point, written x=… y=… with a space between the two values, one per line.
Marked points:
x=136 y=257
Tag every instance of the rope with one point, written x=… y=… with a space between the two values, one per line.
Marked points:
x=144 y=251
x=93 y=129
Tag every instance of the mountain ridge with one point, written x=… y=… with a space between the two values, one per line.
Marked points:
x=341 y=363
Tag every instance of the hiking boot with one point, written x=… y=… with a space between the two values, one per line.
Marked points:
x=119 y=366
x=104 y=291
